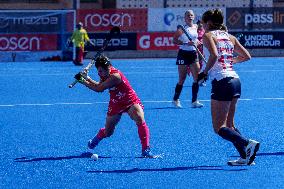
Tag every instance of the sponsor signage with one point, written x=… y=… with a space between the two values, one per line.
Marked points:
x=29 y=22
x=156 y=41
x=167 y=19
x=28 y=42
x=125 y=41
x=105 y=19
x=255 y=18
x=261 y=40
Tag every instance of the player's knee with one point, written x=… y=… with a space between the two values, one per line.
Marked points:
x=139 y=120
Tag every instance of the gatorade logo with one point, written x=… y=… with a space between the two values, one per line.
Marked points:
x=156 y=41
x=144 y=42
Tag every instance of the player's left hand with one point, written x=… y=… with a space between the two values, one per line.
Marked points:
x=81 y=77
x=202 y=77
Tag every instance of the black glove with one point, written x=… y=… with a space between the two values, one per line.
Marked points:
x=202 y=77
x=79 y=77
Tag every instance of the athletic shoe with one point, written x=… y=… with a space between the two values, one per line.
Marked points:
x=177 y=104
x=196 y=104
x=239 y=162
x=147 y=153
x=251 y=150
x=203 y=84
x=92 y=143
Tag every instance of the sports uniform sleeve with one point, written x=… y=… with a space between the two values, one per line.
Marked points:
x=86 y=37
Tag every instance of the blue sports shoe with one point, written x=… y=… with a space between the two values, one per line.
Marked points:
x=147 y=153
x=92 y=143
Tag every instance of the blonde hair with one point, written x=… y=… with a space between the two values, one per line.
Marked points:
x=189 y=11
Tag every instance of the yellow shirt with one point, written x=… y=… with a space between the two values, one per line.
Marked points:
x=79 y=37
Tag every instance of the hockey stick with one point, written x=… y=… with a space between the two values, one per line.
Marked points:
x=113 y=32
x=190 y=39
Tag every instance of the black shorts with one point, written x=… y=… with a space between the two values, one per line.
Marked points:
x=186 y=57
x=226 y=89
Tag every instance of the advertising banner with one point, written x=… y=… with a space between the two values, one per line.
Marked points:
x=167 y=19
x=125 y=41
x=265 y=18
x=29 y=22
x=261 y=40
x=28 y=42
x=104 y=19
x=156 y=41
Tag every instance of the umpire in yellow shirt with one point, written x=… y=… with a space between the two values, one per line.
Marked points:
x=79 y=38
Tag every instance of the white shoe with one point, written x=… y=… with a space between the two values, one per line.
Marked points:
x=203 y=84
x=239 y=162
x=196 y=104
x=251 y=150
x=177 y=104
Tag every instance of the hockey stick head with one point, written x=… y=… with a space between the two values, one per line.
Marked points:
x=113 y=32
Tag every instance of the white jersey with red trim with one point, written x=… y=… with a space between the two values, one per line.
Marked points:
x=223 y=67
x=192 y=32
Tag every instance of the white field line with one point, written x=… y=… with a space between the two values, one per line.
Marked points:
x=126 y=73
x=146 y=101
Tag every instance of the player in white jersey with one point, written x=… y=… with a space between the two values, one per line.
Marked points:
x=226 y=85
x=187 y=57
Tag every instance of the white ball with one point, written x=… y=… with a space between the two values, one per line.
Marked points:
x=95 y=157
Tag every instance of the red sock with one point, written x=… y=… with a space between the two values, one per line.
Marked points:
x=101 y=134
x=144 y=135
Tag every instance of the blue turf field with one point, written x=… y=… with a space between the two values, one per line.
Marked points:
x=45 y=126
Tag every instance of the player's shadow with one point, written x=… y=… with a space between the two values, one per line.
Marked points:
x=169 y=169
x=268 y=154
x=163 y=108
x=34 y=159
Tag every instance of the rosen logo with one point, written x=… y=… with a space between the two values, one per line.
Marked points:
x=108 y=20
x=19 y=43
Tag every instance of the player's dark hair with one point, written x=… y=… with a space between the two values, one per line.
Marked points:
x=79 y=25
x=216 y=17
x=102 y=61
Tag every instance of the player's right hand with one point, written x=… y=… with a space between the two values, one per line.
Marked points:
x=79 y=77
x=202 y=77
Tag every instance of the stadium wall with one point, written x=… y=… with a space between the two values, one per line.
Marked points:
x=146 y=32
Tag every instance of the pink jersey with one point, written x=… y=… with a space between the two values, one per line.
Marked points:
x=122 y=96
